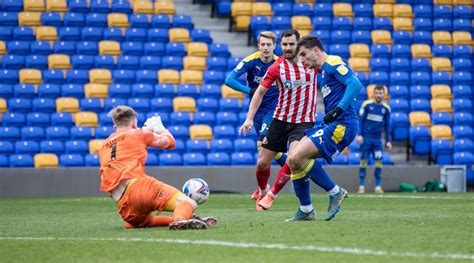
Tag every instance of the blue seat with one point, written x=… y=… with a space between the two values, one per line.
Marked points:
x=90 y=104
x=232 y=62
x=442 y=118
x=12 y=6
x=115 y=34
x=72 y=90
x=420 y=105
x=399 y=78
x=6 y=91
x=420 y=92
x=18 y=47
x=283 y=9
x=442 y=11
x=142 y=90
x=102 y=132
x=179 y=132
x=443 y=24
x=74 y=19
x=222 y=145
x=105 y=119
x=442 y=151
x=161 y=21
x=160 y=35
x=402 y=37
x=78 y=6
x=399 y=105
x=462 y=11
x=150 y=63
x=462 y=132
x=462 y=91
x=71 y=160
x=161 y=104
x=363 y=10
x=128 y=62
x=323 y=22
x=223 y=8
x=441 y=77
x=87 y=48
x=302 y=9
x=139 y=21
x=9 y=133
x=464 y=158
x=176 y=49
x=401 y=51
x=139 y=104
x=62 y=119
x=165 y=91
x=183 y=21
x=229 y=104
x=154 y=49
x=41 y=47
x=136 y=34
x=19 y=105
x=76 y=146
x=170 y=159
x=208 y=104
x=105 y=61
x=460 y=51
x=38 y=119
x=188 y=90
x=227 y=118
x=354 y=146
x=363 y=77
x=91 y=34
x=204 y=117
x=57 y=133
x=218 y=159
x=242 y=158
x=224 y=132
x=170 y=62
x=382 y=23
x=77 y=76
x=245 y=145
x=181 y=118
x=341 y=50
x=324 y=36
x=423 y=10
x=201 y=35
x=23 y=33
x=82 y=62
x=122 y=6
x=353 y=158
x=132 y=48
x=13 y=62
x=381 y=78
x=422 y=24
x=3 y=160
x=194 y=159
x=219 y=50
x=199 y=146
x=216 y=63
x=99 y=6
x=420 y=139
x=91 y=160
x=463 y=118
x=12 y=119
x=123 y=76
x=7 y=147
x=26 y=91
x=461 y=64
x=146 y=76
x=463 y=145
x=9 y=76
x=20 y=160
x=399 y=64
x=32 y=133
x=341 y=159
x=420 y=78
x=120 y=91
x=69 y=34
x=462 y=105
x=462 y=78
x=259 y=23
x=52 y=146
x=361 y=23
x=380 y=51
x=422 y=37
x=341 y=37
x=214 y=77
x=26 y=147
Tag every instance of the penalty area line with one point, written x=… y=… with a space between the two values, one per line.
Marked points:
x=354 y=251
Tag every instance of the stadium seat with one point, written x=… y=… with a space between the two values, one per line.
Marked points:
x=92 y=160
x=20 y=160
x=168 y=76
x=441 y=132
x=441 y=105
x=242 y=158
x=81 y=133
x=399 y=124
x=29 y=18
x=462 y=132
x=3 y=105
x=419 y=118
x=441 y=92
x=383 y=23
x=191 y=77
x=224 y=132
x=381 y=64
x=89 y=119
x=342 y=9
x=38 y=119
x=197 y=146
x=194 y=159
x=13 y=119
x=442 y=118
x=179 y=35
x=72 y=90
x=46 y=160
x=463 y=158
x=100 y=76
x=421 y=51
x=19 y=105
x=381 y=37
x=359 y=64
x=52 y=146
x=184 y=104
x=462 y=105
x=463 y=119
x=67 y=104
x=94 y=146
x=420 y=139
x=403 y=23
x=117 y=20
x=143 y=7
x=170 y=159
x=71 y=160
x=165 y=8
x=203 y=132
x=463 y=145
x=32 y=76
x=218 y=158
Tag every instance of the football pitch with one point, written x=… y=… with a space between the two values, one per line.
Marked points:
x=370 y=228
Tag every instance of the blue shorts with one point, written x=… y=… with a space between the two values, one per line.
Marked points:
x=373 y=146
x=331 y=139
x=262 y=122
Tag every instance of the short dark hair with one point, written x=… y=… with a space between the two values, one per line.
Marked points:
x=122 y=115
x=291 y=32
x=310 y=42
x=379 y=87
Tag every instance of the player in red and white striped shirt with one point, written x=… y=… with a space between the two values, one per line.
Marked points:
x=294 y=113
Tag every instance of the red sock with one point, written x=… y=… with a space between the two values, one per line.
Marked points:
x=262 y=178
x=282 y=178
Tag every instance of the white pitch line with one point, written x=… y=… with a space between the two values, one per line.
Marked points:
x=409 y=197
x=355 y=251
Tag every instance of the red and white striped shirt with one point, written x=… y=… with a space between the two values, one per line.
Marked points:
x=297 y=86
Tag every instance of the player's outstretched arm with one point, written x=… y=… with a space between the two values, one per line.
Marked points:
x=160 y=137
x=232 y=81
x=254 y=105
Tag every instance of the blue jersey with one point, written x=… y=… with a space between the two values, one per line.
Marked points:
x=373 y=119
x=334 y=74
x=256 y=69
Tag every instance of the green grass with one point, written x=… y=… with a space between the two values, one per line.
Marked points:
x=399 y=226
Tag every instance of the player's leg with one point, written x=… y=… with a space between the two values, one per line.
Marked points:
x=378 y=155
x=364 y=150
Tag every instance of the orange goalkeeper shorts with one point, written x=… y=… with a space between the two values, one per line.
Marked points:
x=142 y=197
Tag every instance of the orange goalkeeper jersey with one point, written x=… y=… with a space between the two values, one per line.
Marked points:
x=122 y=156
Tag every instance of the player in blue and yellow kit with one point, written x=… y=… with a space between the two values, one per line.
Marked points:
x=256 y=65
x=374 y=117
x=339 y=87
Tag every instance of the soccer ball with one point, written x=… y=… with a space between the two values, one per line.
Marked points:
x=197 y=189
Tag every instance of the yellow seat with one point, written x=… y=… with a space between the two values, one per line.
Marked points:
x=200 y=131
x=419 y=118
x=194 y=63
x=421 y=51
x=3 y=105
x=359 y=50
x=109 y=47
x=462 y=2
x=462 y=38
x=441 y=64
x=165 y=8
x=170 y=76
x=440 y=91
x=86 y=118
x=441 y=105
x=381 y=37
x=29 y=18
x=117 y=20
x=33 y=5
x=304 y=32
x=93 y=90
x=67 y=104
x=242 y=23
x=187 y=104
x=198 y=49
x=442 y=38
x=385 y=1
x=228 y=92
x=191 y=77
x=262 y=9
x=179 y=35
x=240 y=9
x=443 y=2
x=359 y=64
x=403 y=23
x=56 y=6
x=441 y=132
x=31 y=76
x=59 y=61
x=47 y=33
x=94 y=146
x=143 y=7
x=301 y=23
x=46 y=160
x=100 y=76
x=342 y=9
x=3 y=48
x=402 y=10
x=370 y=92
x=383 y=10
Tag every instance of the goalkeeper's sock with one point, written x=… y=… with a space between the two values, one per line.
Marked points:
x=280 y=158
x=262 y=179
x=319 y=176
x=184 y=210
x=281 y=179
x=378 y=174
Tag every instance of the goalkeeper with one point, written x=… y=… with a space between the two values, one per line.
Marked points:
x=122 y=174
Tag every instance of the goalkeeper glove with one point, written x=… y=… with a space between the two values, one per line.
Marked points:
x=333 y=115
x=154 y=124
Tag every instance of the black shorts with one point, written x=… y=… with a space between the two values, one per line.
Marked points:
x=281 y=133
